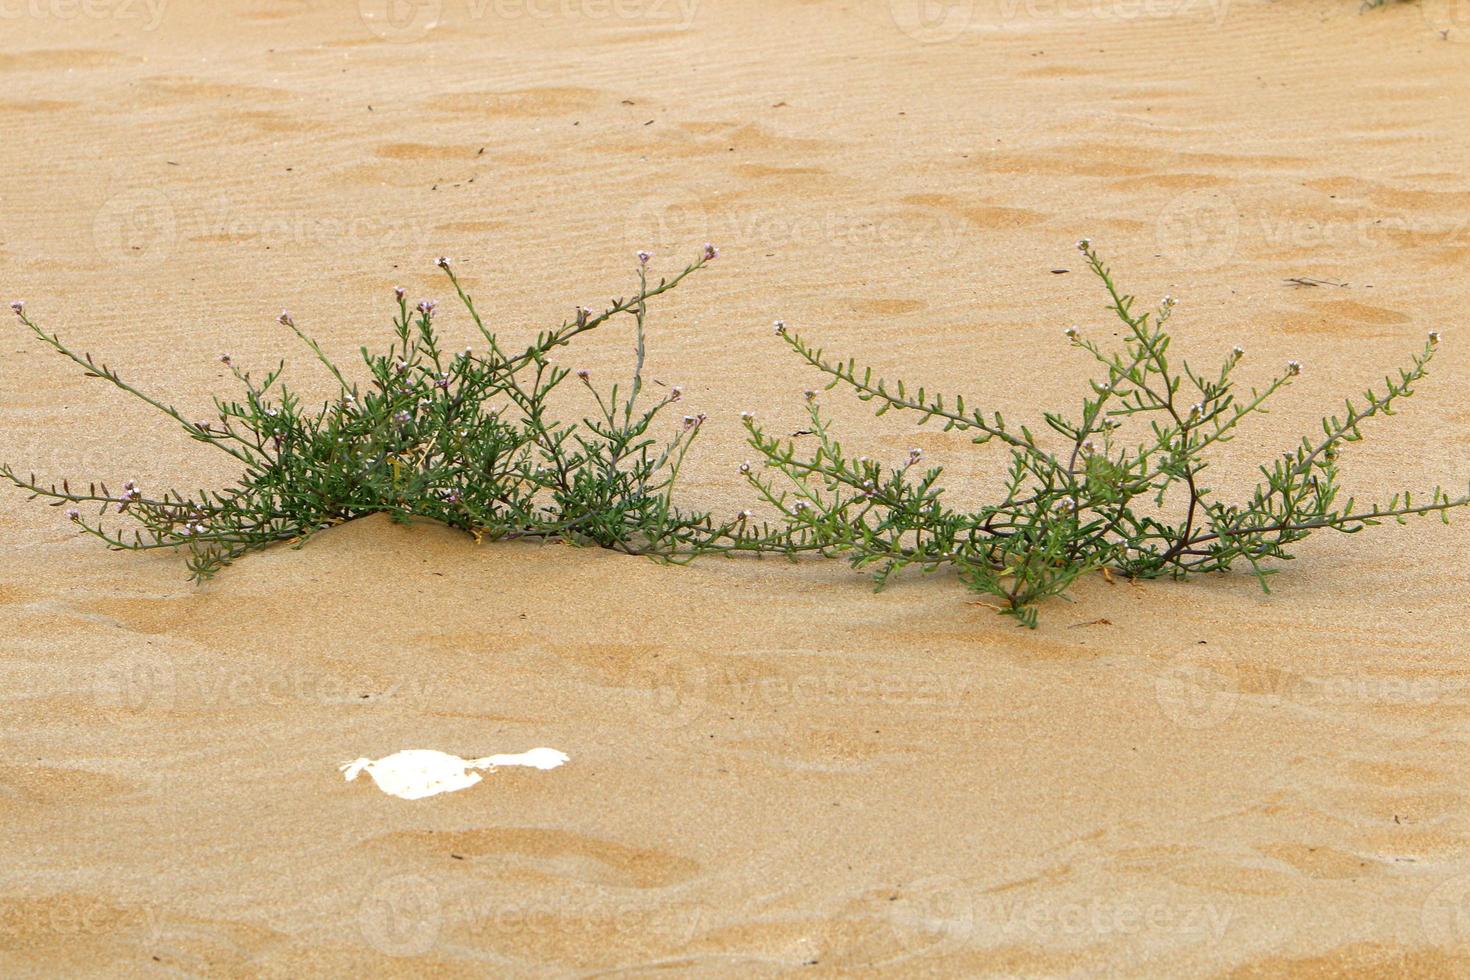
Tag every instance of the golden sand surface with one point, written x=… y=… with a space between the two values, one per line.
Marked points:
x=773 y=769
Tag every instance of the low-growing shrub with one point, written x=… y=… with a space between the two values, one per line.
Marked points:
x=468 y=439
x=1124 y=493
x=472 y=440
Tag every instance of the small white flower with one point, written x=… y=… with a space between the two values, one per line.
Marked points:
x=1237 y=352
x=1293 y=368
x=1071 y=333
x=779 y=328
x=747 y=416
x=1434 y=336
x=744 y=468
x=72 y=514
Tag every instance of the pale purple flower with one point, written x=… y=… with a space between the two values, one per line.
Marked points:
x=285 y=318
x=426 y=307
x=643 y=257
x=72 y=514
x=710 y=252
x=399 y=292
x=18 y=307
x=584 y=374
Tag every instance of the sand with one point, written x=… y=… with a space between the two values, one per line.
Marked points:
x=773 y=768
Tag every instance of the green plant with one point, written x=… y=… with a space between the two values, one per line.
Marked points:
x=1099 y=501
x=467 y=439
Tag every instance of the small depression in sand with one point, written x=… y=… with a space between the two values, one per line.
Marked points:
x=413 y=774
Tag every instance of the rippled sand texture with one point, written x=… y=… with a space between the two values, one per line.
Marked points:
x=773 y=768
